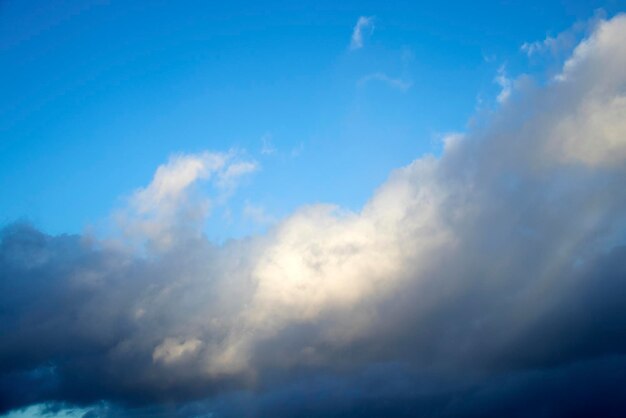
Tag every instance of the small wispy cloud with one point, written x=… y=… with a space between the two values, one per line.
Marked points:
x=267 y=147
x=564 y=41
x=297 y=150
x=257 y=214
x=532 y=48
x=489 y=58
x=365 y=24
x=505 y=83
x=396 y=83
x=229 y=177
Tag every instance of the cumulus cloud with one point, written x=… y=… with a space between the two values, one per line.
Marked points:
x=489 y=281
x=363 y=26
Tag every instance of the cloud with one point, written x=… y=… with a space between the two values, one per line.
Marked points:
x=593 y=130
x=550 y=43
x=486 y=282
x=564 y=41
x=267 y=148
x=396 y=83
x=231 y=175
x=505 y=83
x=257 y=214
x=172 y=350
x=172 y=179
x=363 y=25
x=297 y=150
x=169 y=208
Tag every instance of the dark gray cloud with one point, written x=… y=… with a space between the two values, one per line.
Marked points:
x=488 y=282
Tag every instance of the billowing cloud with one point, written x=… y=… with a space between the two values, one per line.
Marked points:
x=364 y=25
x=490 y=281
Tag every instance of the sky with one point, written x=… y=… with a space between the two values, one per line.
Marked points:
x=98 y=94
x=313 y=209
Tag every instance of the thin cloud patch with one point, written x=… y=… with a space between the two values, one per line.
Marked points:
x=364 y=26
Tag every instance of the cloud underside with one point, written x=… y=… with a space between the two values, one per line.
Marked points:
x=490 y=281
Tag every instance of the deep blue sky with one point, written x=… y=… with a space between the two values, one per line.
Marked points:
x=95 y=95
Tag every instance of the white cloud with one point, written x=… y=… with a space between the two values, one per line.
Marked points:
x=257 y=214
x=550 y=44
x=451 y=141
x=396 y=83
x=297 y=150
x=169 y=207
x=593 y=131
x=505 y=83
x=363 y=25
x=564 y=41
x=229 y=177
x=267 y=148
x=489 y=58
x=173 y=178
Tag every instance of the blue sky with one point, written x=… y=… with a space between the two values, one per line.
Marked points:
x=97 y=94
x=355 y=209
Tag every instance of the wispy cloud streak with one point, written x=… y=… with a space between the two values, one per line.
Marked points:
x=396 y=83
x=364 y=25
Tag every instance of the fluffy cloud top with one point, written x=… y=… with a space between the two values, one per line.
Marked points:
x=169 y=209
x=488 y=282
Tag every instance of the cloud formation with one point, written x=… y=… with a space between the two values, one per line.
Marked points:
x=490 y=281
x=364 y=25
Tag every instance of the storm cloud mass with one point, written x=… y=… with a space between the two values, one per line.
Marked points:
x=489 y=281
